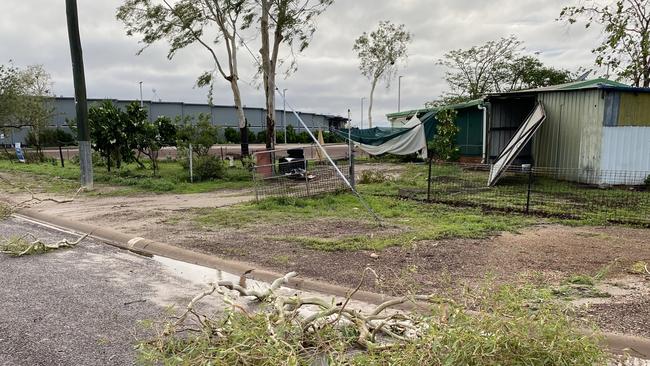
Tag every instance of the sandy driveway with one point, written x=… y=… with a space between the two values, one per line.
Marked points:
x=139 y=214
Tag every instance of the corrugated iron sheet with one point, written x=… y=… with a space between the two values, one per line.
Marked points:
x=626 y=149
x=634 y=110
x=570 y=138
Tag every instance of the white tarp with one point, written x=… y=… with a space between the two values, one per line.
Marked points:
x=414 y=141
x=525 y=132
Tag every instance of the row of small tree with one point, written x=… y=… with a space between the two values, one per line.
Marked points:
x=124 y=136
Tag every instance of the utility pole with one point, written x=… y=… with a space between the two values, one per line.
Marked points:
x=284 y=113
x=361 y=125
x=399 y=93
x=141 y=101
x=81 y=103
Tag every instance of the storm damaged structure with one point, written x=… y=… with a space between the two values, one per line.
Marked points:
x=584 y=128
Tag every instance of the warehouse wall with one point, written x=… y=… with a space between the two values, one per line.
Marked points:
x=224 y=116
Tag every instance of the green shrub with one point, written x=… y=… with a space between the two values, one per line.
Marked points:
x=261 y=137
x=208 y=168
x=443 y=146
x=251 y=137
x=647 y=182
x=232 y=136
x=50 y=137
x=304 y=138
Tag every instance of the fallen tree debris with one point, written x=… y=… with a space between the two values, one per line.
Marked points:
x=20 y=246
x=505 y=325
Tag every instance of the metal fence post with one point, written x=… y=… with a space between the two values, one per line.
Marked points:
x=256 y=184
x=191 y=166
x=61 y=156
x=429 y=181
x=530 y=186
x=353 y=181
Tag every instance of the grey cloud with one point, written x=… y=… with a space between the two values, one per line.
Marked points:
x=327 y=81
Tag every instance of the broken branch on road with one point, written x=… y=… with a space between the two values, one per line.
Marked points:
x=21 y=246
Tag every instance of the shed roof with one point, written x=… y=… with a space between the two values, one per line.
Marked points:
x=599 y=83
x=471 y=103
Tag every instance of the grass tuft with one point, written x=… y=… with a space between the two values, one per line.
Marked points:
x=405 y=222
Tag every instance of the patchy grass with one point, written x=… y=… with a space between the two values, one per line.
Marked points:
x=172 y=178
x=415 y=221
x=566 y=202
x=509 y=326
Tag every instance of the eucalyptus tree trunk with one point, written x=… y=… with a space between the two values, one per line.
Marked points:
x=370 y=103
x=269 y=58
x=236 y=93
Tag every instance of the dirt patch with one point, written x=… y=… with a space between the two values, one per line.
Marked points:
x=626 y=309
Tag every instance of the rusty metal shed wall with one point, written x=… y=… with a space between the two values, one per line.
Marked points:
x=571 y=136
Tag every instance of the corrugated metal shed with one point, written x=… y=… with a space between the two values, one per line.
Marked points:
x=590 y=126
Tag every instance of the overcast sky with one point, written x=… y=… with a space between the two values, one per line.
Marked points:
x=328 y=79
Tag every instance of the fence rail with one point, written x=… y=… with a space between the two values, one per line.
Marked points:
x=614 y=196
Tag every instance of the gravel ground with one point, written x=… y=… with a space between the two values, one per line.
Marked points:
x=79 y=306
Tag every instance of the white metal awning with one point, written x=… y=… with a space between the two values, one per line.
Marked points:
x=525 y=132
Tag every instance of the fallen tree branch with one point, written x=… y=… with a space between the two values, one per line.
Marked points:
x=397 y=327
x=20 y=247
x=36 y=200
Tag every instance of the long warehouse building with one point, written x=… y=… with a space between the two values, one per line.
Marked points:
x=221 y=115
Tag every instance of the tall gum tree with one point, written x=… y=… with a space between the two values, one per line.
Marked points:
x=207 y=23
x=283 y=22
x=379 y=54
x=625 y=47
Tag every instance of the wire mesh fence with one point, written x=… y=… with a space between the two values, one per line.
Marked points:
x=278 y=174
x=613 y=196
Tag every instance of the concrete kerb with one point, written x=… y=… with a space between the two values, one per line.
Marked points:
x=149 y=247
x=616 y=343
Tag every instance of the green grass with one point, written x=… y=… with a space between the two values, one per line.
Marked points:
x=172 y=178
x=563 y=201
x=407 y=222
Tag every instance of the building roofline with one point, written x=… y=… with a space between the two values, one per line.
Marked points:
x=153 y=102
x=599 y=83
x=470 y=104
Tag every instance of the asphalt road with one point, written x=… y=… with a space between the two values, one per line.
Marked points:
x=80 y=306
